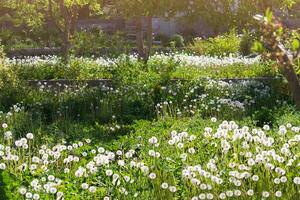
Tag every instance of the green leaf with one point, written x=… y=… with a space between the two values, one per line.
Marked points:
x=280 y=31
x=257 y=46
x=295 y=44
x=269 y=15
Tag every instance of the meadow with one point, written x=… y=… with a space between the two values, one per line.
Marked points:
x=176 y=127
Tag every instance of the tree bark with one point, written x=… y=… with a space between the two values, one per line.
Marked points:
x=67 y=28
x=293 y=81
x=65 y=50
x=139 y=37
x=70 y=28
x=70 y=17
x=149 y=36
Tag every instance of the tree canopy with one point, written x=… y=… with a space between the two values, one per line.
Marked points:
x=62 y=14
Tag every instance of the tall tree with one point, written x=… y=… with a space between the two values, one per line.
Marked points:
x=218 y=14
x=274 y=37
x=138 y=10
x=223 y=15
x=62 y=14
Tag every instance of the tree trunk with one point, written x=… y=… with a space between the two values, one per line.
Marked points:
x=70 y=28
x=139 y=37
x=70 y=16
x=149 y=36
x=293 y=82
x=65 y=50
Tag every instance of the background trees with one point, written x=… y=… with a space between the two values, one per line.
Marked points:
x=223 y=15
x=64 y=16
x=276 y=39
x=138 y=10
x=61 y=14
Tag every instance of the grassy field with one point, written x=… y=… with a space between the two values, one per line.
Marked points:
x=146 y=136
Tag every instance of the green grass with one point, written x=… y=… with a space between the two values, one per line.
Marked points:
x=172 y=161
x=83 y=69
x=160 y=132
x=232 y=71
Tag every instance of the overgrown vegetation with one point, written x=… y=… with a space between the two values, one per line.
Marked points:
x=224 y=45
x=218 y=123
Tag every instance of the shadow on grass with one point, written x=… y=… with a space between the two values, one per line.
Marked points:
x=2 y=192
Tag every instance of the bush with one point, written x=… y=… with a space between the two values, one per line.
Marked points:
x=164 y=39
x=6 y=36
x=11 y=88
x=86 y=43
x=219 y=46
x=2 y=55
x=13 y=40
x=22 y=38
x=177 y=41
x=10 y=85
x=246 y=44
x=96 y=42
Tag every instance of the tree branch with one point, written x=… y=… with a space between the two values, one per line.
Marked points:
x=50 y=11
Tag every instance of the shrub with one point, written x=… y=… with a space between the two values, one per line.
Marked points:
x=6 y=36
x=246 y=44
x=164 y=39
x=219 y=46
x=10 y=85
x=2 y=55
x=96 y=42
x=11 y=88
x=117 y=44
x=85 y=43
x=177 y=41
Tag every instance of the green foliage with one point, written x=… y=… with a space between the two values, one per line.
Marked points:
x=233 y=14
x=95 y=42
x=137 y=87
x=77 y=68
x=131 y=9
x=246 y=44
x=258 y=47
x=164 y=39
x=63 y=16
x=122 y=66
x=296 y=44
x=6 y=36
x=293 y=40
x=11 y=88
x=27 y=38
x=197 y=145
x=144 y=102
x=224 y=45
x=2 y=55
x=177 y=41
x=232 y=71
x=276 y=39
x=286 y=114
x=297 y=66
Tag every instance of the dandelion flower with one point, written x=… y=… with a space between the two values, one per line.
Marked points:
x=172 y=189
x=152 y=175
x=164 y=186
x=84 y=186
